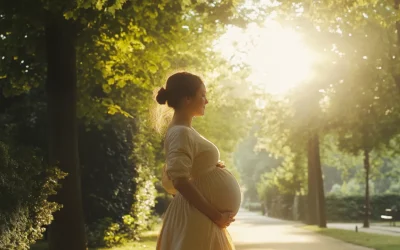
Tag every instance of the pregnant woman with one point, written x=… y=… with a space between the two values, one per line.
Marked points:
x=207 y=196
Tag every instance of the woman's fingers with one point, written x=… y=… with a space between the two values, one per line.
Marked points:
x=221 y=164
x=229 y=223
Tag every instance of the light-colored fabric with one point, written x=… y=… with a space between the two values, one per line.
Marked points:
x=184 y=227
x=180 y=151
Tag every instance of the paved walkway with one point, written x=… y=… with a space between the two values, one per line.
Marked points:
x=376 y=229
x=252 y=231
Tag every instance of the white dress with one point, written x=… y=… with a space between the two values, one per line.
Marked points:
x=184 y=227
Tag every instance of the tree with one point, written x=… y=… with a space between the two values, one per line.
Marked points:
x=252 y=164
x=368 y=121
x=68 y=32
x=299 y=122
x=355 y=25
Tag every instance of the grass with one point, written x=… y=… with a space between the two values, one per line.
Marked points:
x=147 y=242
x=385 y=224
x=372 y=223
x=375 y=241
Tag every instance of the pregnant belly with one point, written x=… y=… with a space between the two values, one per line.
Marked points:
x=221 y=188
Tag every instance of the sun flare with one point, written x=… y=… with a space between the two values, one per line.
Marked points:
x=278 y=57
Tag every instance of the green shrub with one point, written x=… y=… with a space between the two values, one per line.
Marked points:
x=351 y=208
x=109 y=232
x=25 y=184
x=338 y=208
x=253 y=206
x=105 y=232
x=122 y=157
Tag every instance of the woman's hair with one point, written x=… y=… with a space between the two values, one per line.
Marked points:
x=179 y=86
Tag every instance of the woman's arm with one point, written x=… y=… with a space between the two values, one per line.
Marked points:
x=192 y=194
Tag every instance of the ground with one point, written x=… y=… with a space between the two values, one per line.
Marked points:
x=252 y=231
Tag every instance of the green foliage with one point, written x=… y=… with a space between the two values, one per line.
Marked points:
x=124 y=50
x=105 y=157
x=138 y=220
x=277 y=204
x=344 y=172
x=343 y=14
x=26 y=182
x=366 y=239
x=285 y=129
x=120 y=209
x=339 y=208
x=350 y=208
x=354 y=96
x=359 y=48
x=107 y=233
x=288 y=178
x=252 y=165
x=120 y=69
x=102 y=232
x=350 y=188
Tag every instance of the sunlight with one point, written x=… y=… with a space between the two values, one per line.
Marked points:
x=278 y=58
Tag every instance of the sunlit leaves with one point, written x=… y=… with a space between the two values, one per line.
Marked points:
x=342 y=15
x=355 y=94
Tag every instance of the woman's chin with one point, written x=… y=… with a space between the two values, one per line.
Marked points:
x=200 y=114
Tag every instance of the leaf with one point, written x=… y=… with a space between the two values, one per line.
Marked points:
x=111 y=81
x=152 y=68
x=99 y=4
x=121 y=84
x=68 y=15
x=165 y=64
x=106 y=88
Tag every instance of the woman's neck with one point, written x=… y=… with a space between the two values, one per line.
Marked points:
x=181 y=118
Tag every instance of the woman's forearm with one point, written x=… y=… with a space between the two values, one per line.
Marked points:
x=190 y=192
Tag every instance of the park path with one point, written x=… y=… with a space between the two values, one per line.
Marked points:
x=252 y=231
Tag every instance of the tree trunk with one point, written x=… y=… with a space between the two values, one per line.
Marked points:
x=366 y=206
x=396 y=6
x=312 y=206
x=67 y=229
x=320 y=184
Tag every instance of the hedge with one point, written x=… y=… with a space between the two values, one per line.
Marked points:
x=351 y=208
x=26 y=182
x=338 y=208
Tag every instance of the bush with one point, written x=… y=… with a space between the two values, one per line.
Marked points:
x=351 y=208
x=338 y=208
x=276 y=204
x=25 y=184
x=118 y=164
x=253 y=206
x=105 y=232
x=107 y=171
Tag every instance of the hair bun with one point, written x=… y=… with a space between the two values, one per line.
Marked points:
x=162 y=96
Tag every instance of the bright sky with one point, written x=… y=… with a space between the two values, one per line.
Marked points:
x=278 y=57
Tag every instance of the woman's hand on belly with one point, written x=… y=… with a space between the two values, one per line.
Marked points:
x=220 y=164
x=225 y=220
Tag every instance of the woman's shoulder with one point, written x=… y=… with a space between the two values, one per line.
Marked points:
x=180 y=131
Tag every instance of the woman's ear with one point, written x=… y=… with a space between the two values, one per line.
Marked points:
x=187 y=100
